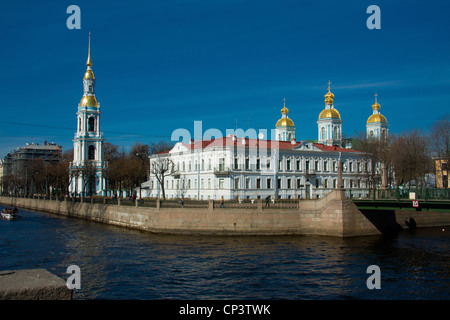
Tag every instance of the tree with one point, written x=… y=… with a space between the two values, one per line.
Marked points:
x=410 y=157
x=376 y=159
x=160 y=146
x=161 y=168
x=139 y=160
x=440 y=146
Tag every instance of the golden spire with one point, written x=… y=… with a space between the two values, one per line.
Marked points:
x=89 y=62
x=329 y=96
x=284 y=110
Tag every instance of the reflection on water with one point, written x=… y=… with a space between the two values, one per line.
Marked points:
x=118 y=263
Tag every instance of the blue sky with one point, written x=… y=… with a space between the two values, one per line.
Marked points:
x=160 y=65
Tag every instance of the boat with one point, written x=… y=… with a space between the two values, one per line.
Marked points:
x=9 y=214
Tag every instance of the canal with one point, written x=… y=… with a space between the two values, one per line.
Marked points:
x=118 y=263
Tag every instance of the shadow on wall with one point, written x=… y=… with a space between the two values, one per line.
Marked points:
x=383 y=220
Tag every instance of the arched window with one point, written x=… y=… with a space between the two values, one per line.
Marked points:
x=335 y=133
x=79 y=124
x=91 y=153
x=322 y=133
x=91 y=124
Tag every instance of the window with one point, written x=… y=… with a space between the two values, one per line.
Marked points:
x=279 y=183
x=299 y=183
x=325 y=183
x=91 y=124
x=350 y=166
x=317 y=183
x=288 y=164
x=236 y=163
x=268 y=163
x=247 y=163
x=247 y=183
x=325 y=166
x=298 y=165
x=203 y=164
x=316 y=165
x=236 y=183
x=91 y=153
x=258 y=183
x=258 y=164
x=269 y=183
x=209 y=183
x=221 y=183
x=288 y=183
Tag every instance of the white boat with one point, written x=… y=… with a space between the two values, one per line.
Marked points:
x=9 y=214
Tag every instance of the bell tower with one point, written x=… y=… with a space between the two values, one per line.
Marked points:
x=87 y=169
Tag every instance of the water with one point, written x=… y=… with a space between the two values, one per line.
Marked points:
x=118 y=263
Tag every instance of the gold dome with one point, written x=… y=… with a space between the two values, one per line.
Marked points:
x=89 y=101
x=89 y=74
x=285 y=110
x=377 y=118
x=329 y=113
x=285 y=122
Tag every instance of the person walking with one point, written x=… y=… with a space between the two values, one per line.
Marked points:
x=267 y=201
x=222 y=203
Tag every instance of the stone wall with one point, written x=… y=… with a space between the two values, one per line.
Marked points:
x=332 y=216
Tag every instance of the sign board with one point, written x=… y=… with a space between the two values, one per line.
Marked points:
x=415 y=203
x=412 y=195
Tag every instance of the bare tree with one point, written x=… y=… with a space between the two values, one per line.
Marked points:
x=161 y=168
x=440 y=147
x=410 y=157
x=376 y=159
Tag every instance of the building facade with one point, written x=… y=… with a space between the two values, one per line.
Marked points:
x=242 y=168
x=442 y=176
x=24 y=163
x=87 y=170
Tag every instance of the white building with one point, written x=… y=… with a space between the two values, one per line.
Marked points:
x=242 y=168
x=87 y=168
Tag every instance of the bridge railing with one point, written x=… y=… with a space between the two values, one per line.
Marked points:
x=397 y=194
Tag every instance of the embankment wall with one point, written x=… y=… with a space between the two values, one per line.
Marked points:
x=331 y=216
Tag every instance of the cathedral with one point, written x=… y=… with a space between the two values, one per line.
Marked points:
x=284 y=168
x=87 y=170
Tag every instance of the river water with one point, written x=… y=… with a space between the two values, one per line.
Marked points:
x=118 y=263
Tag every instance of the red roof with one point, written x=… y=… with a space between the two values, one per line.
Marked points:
x=256 y=143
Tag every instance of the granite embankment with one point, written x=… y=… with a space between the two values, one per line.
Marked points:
x=332 y=215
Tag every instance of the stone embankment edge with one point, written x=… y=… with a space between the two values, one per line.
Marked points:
x=332 y=215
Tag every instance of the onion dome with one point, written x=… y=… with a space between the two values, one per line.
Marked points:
x=284 y=121
x=376 y=116
x=329 y=114
x=329 y=96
